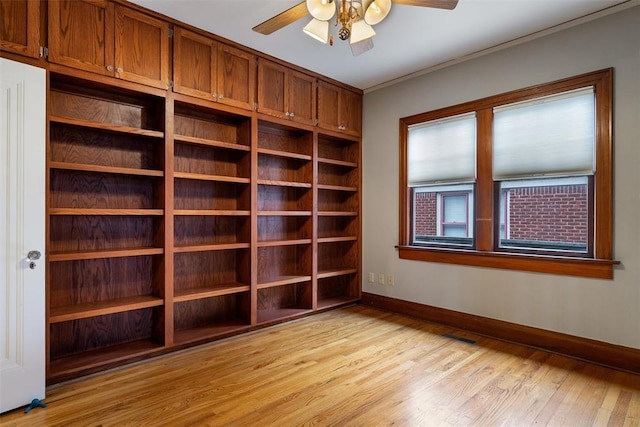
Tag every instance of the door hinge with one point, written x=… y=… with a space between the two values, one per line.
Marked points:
x=255 y=106
x=170 y=33
x=44 y=52
x=316 y=122
x=171 y=83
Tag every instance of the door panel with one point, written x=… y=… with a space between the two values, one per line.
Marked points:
x=22 y=215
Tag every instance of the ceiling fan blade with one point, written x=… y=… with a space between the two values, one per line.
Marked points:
x=361 y=47
x=438 y=4
x=283 y=19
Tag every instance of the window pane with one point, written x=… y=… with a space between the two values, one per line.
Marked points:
x=545 y=214
x=442 y=150
x=442 y=215
x=553 y=135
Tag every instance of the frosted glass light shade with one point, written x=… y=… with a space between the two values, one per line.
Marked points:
x=377 y=11
x=322 y=10
x=360 y=30
x=317 y=29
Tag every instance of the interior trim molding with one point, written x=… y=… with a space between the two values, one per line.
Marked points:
x=592 y=351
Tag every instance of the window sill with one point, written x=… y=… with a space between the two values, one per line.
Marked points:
x=581 y=267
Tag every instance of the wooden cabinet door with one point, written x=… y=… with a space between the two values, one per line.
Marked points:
x=328 y=106
x=236 y=77
x=142 y=48
x=20 y=27
x=194 y=64
x=81 y=34
x=273 y=80
x=302 y=98
x=351 y=112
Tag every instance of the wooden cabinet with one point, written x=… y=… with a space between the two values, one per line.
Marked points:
x=20 y=27
x=106 y=205
x=109 y=39
x=211 y=70
x=339 y=109
x=285 y=93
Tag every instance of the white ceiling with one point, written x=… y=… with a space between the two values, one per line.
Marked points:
x=411 y=39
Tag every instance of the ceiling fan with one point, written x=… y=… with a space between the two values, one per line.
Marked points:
x=355 y=18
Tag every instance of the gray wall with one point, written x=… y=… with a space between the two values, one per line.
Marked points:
x=604 y=310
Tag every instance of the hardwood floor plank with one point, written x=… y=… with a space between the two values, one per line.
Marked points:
x=354 y=366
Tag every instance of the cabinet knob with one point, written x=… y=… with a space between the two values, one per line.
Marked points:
x=287 y=113
x=220 y=96
x=109 y=67
x=119 y=70
x=215 y=95
x=291 y=114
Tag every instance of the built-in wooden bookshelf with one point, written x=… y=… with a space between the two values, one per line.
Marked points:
x=194 y=192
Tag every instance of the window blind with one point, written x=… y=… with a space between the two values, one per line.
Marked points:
x=553 y=135
x=442 y=150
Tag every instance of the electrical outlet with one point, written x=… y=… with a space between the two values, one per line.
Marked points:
x=390 y=280
x=372 y=277
x=381 y=278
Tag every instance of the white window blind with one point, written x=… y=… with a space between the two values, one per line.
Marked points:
x=553 y=135
x=442 y=150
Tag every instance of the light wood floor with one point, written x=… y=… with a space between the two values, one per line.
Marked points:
x=354 y=366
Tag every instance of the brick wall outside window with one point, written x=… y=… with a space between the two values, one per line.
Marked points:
x=546 y=213
x=554 y=213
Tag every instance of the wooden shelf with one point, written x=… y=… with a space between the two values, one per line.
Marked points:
x=283 y=280
x=107 y=253
x=337 y=162
x=206 y=333
x=211 y=143
x=82 y=211
x=106 y=127
x=205 y=177
x=284 y=213
x=181 y=295
x=265 y=244
x=334 y=273
x=337 y=239
x=286 y=154
x=215 y=247
x=89 y=361
x=337 y=188
x=210 y=212
x=265 y=316
x=337 y=213
x=324 y=303
x=284 y=183
x=83 y=311
x=105 y=169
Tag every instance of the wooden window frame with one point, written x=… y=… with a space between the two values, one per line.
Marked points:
x=485 y=254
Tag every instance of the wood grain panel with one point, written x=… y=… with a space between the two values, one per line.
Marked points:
x=284 y=139
x=275 y=168
x=337 y=256
x=272 y=88
x=69 y=338
x=95 y=233
x=205 y=123
x=194 y=194
x=275 y=198
x=211 y=268
x=211 y=161
x=71 y=144
x=330 y=226
x=277 y=261
x=86 y=190
x=302 y=98
x=236 y=77
x=194 y=64
x=81 y=35
x=276 y=228
x=210 y=230
x=20 y=27
x=331 y=174
x=95 y=280
x=226 y=309
x=331 y=200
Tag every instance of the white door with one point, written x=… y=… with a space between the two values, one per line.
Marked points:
x=22 y=230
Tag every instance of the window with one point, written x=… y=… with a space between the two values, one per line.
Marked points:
x=521 y=180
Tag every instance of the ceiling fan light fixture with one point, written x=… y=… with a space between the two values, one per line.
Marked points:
x=322 y=10
x=376 y=11
x=360 y=31
x=317 y=29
